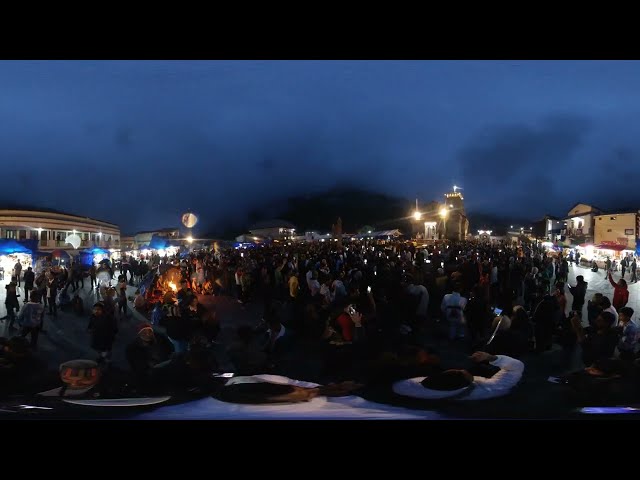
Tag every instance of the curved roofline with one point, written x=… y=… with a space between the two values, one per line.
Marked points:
x=45 y=211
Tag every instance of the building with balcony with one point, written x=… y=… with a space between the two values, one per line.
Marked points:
x=579 y=224
x=273 y=230
x=51 y=228
x=618 y=231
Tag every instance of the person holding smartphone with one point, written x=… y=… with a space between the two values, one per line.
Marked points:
x=349 y=323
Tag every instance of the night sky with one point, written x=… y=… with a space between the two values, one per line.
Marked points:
x=139 y=142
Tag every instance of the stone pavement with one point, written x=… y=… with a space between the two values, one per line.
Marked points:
x=66 y=336
x=598 y=283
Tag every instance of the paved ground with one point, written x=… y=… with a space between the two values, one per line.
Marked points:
x=67 y=338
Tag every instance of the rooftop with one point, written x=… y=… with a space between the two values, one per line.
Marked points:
x=31 y=209
x=276 y=223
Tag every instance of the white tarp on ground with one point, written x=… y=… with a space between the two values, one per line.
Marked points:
x=320 y=408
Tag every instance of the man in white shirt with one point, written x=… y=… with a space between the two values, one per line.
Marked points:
x=607 y=307
x=452 y=306
x=461 y=385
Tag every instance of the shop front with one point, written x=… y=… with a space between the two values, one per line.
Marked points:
x=11 y=253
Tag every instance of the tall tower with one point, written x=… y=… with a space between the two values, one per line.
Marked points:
x=455 y=200
x=457 y=225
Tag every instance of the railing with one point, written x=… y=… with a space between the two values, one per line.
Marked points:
x=85 y=243
x=43 y=243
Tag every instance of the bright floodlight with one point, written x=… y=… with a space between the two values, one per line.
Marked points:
x=369 y=231
x=417 y=215
x=443 y=212
x=190 y=239
x=454 y=189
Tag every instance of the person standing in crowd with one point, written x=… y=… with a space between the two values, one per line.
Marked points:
x=478 y=315
x=577 y=259
x=623 y=266
x=608 y=265
x=594 y=308
x=633 y=266
x=546 y=318
x=93 y=273
x=605 y=303
x=52 y=293
x=453 y=305
x=29 y=279
x=620 y=292
x=578 y=292
x=11 y=301
x=103 y=329
x=122 y=299
x=17 y=269
x=562 y=299
x=30 y=319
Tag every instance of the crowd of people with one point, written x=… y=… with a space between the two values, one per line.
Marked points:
x=382 y=316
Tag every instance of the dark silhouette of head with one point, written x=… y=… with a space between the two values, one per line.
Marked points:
x=448 y=380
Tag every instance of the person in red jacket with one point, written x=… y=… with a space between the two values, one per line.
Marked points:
x=620 y=293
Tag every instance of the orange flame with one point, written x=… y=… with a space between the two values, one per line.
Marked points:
x=173 y=286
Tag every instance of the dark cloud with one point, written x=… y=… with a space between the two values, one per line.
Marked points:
x=139 y=143
x=519 y=164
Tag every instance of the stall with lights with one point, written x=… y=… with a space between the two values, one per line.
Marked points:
x=12 y=252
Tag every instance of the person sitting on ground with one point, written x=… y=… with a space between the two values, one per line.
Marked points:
x=620 y=292
x=407 y=361
x=246 y=357
x=207 y=288
x=139 y=302
x=462 y=385
x=605 y=382
x=511 y=335
x=206 y=323
x=149 y=350
x=597 y=343
x=20 y=370
x=629 y=334
x=265 y=389
x=277 y=339
x=183 y=294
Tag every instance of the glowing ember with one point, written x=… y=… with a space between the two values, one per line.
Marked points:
x=173 y=286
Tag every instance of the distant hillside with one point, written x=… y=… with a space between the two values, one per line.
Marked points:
x=357 y=207
x=499 y=225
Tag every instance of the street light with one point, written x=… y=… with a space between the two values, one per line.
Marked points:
x=417 y=215
x=443 y=213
